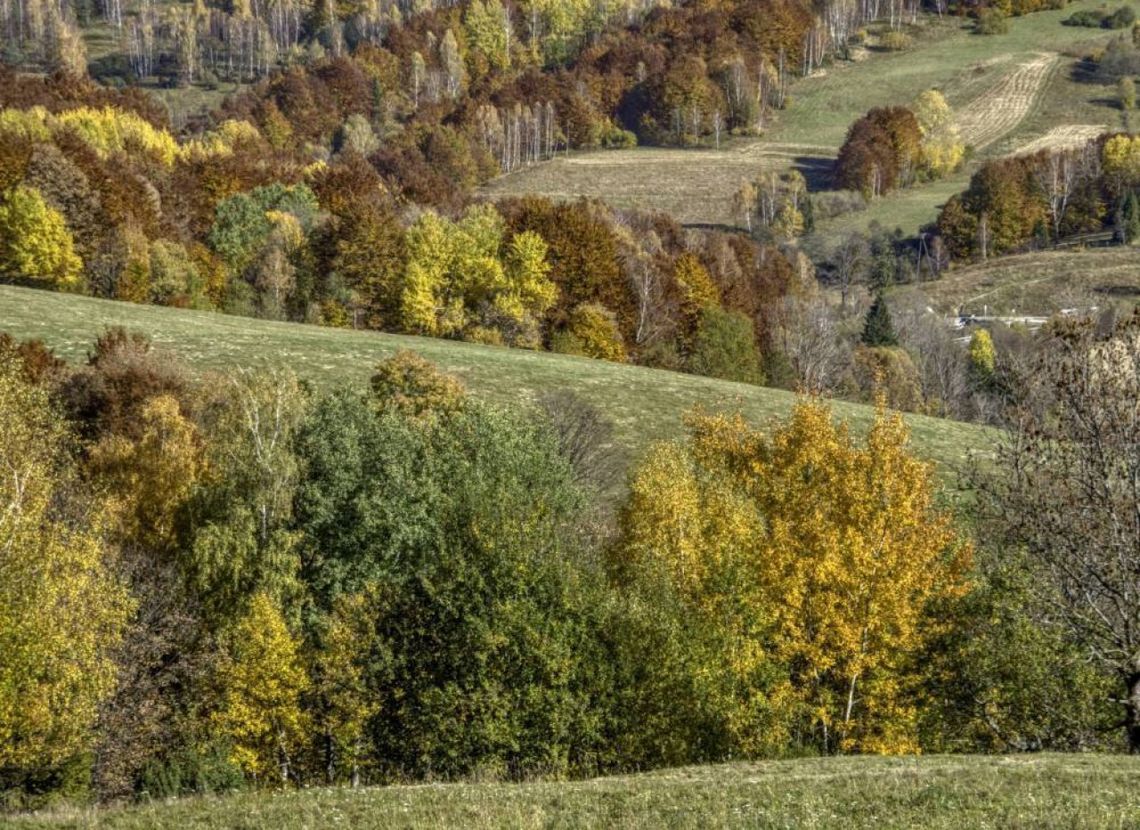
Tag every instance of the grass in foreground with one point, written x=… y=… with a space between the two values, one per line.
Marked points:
x=952 y=792
x=644 y=405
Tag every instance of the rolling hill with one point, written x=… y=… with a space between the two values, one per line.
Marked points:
x=644 y=404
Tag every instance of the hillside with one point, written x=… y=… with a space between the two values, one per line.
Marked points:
x=1007 y=90
x=1038 y=791
x=644 y=404
x=1039 y=284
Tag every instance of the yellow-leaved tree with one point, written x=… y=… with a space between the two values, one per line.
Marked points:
x=832 y=550
x=35 y=244
x=145 y=481
x=262 y=680
x=62 y=611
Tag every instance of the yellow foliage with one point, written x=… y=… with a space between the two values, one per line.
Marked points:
x=146 y=480
x=109 y=131
x=35 y=243
x=697 y=288
x=595 y=333
x=62 y=613
x=219 y=142
x=838 y=546
x=1122 y=159
x=262 y=681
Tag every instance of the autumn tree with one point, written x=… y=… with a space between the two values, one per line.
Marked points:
x=882 y=152
x=35 y=243
x=835 y=551
x=414 y=387
x=62 y=612
x=262 y=680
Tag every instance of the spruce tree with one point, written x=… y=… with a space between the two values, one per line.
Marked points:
x=877 y=328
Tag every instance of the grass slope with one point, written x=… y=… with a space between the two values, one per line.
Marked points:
x=696 y=186
x=950 y=792
x=644 y=404
x=1039 y=283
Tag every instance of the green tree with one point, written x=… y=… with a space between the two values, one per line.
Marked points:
x=35 y=244
x=725 y=347
x=462 y=525
x=878 y=330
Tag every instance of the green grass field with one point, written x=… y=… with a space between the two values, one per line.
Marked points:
x=955 y=793
x=1039 y=284
x=696 y=186
x=644 y=404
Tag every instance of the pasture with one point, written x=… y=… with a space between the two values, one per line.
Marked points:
x=1039 y=284
x=936 y=793
x=643 y=404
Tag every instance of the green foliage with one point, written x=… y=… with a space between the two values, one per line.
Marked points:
x=460 y=523
x=242 y=223
x=1004 y=680
x=878 y=330
x=239 y=535
x=725 y=347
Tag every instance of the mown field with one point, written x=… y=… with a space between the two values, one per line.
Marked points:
x=1039 y=283
x=955 y=793
x=644 y=404
x=1008 y=90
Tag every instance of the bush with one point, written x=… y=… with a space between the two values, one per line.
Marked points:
x=725 y=347
x=593 y=332
x=992 y=21
x=1091 y=18
x=896 y=41
x=1122 y=18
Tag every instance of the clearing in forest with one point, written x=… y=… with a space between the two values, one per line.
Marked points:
x=998 y=110
x=692 y=185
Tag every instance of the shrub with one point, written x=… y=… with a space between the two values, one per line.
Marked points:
x=593 y=332
x=896 y=41
x=992 y=21
x=725 y=347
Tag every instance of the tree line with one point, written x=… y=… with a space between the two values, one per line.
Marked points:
x=224 y=581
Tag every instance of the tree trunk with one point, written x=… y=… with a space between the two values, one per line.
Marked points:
x=1132 y=712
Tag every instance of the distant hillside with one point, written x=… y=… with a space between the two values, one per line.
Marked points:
x=1040 y=283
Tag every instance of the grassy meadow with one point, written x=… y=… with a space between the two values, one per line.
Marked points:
x=644 y=404
x=936 y=793
x=1003 y=105
x=1038 y=284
